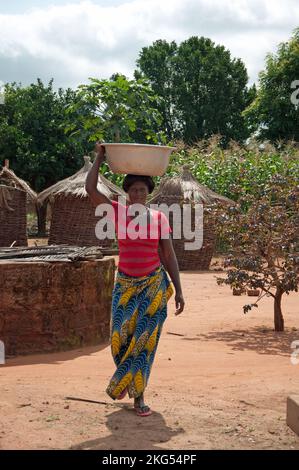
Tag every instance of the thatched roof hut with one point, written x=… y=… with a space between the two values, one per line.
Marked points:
x=9 y=178
x=15 y=197
x=73 y=218
x=183 y=189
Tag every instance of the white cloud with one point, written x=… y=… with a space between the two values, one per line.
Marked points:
x=75 y=41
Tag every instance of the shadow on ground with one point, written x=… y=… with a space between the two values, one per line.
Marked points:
x=258 y=339
x=55 y=357
x=127 y=431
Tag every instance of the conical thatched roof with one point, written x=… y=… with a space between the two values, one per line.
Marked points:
x=9 y=178
x=187 y=188
x=75 y=185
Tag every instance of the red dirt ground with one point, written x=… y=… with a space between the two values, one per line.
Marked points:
x=220 y=381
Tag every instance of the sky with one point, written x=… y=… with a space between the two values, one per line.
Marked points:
x=72 y=40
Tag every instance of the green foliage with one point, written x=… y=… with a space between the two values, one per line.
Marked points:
x=237 y=170
x=116 y=110
x=204 y=90
x=264 y=242
x=232 y=172
x=272 y=115
x=32 y=135
x=156 y=63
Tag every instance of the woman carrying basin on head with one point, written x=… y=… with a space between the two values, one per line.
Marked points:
x=142 y=287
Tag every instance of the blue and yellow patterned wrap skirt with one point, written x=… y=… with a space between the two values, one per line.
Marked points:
x=139 y=309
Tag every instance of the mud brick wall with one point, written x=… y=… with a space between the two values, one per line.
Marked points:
x=47 y=307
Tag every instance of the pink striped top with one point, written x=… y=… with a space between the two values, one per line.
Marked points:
x=138 y=242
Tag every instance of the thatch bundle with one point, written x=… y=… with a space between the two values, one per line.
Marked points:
x=73 y=217
x=15 y=197
x=183 y=189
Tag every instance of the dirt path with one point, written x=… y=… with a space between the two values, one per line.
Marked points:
x=220 y=380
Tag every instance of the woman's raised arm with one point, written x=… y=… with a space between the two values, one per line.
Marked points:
x=92 y=178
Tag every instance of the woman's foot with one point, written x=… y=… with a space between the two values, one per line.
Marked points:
x=140 y=407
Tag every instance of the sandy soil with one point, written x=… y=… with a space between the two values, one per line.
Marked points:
x=220 y=381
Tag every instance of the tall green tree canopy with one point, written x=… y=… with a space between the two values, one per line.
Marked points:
x=32 y=134
x=204 y=89
x=272 y=114
x=156 y=63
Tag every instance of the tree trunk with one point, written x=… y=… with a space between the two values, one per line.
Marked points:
x=117 y=134
x=278 y=318
x=41 y=219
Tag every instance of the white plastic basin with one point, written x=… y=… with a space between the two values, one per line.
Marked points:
x=138 y=159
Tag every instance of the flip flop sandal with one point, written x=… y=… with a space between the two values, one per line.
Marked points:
x=122 y=395
x=143 y=410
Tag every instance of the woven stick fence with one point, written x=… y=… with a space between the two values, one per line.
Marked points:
x=13 y=223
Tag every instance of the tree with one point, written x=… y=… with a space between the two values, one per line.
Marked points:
x=32 y=136
x=272 y=115
x=116 y=109
x=264 y=243
x=204 y=89
x=156 y=63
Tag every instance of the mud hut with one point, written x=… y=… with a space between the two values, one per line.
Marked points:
x=16 y=198
x=184 y=189
x=73 y=217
